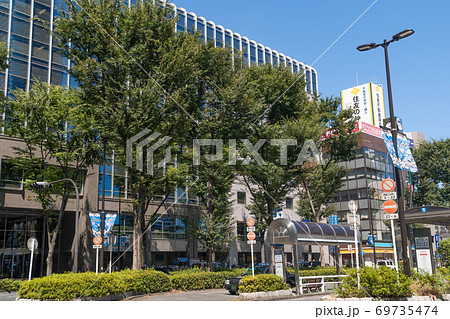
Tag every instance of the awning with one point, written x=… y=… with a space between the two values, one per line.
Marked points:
x=285 y=231
x=434 y=215
x=369 y=251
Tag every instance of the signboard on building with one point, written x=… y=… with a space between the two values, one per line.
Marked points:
x=367 y=101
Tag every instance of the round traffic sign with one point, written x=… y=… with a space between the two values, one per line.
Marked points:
x=352 y=206
x=250 y=222
x=32 y=243
x=388 y=185
x=97 y=240
x=390 y=206
x=251 y=235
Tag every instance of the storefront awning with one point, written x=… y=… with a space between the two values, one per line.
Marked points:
x=434 y=215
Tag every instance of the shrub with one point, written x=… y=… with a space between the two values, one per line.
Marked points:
x=262 y=282
x=199 y=280
x=72 y=286
x=425 y=284
x=378 y=283
x=9 y=285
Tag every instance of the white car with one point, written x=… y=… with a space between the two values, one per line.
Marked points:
x=385 y=262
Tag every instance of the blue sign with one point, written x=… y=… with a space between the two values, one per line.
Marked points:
x=423 y=209
x=370 y=241
x=183 y=259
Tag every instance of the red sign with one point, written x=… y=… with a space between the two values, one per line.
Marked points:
x=97 y=240
x=250 y=222
x=388 y=185
x=251 y=235
x=390 y=206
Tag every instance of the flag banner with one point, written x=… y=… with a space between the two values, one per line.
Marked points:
x=96 y=220
x=405 y=161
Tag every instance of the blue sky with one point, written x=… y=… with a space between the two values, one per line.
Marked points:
x=420 y=64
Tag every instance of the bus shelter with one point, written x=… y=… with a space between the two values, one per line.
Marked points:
x=283 y=231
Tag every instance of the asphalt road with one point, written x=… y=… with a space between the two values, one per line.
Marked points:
x=6 y=296
x=208 y=295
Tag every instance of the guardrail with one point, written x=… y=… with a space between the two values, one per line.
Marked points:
x=317 y=282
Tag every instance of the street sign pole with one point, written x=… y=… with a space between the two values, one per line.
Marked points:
x=33 y=243
x=251 y=237
x=394 y=244
x=96 y=261
x=354 y=208
x=253 y=262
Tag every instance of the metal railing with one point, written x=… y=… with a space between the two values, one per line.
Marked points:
x=318 y=282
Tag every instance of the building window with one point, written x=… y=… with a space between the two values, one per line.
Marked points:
x=169 y=228
x=10 y=175
x=241 y=196
x=289 y=203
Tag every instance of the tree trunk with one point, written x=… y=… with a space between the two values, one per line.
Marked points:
x=137 y=240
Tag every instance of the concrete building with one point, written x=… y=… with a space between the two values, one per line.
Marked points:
x=33 y=55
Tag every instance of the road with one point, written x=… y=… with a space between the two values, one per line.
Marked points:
x=6 y=296
x=208 y=295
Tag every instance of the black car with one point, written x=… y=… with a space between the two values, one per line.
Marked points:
x=311 y=264
x=232 y=285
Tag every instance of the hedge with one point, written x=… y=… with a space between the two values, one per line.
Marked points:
x=381 y=283
x=262 y=282
x=70 y=286
x=199 y=280
x=9 y=284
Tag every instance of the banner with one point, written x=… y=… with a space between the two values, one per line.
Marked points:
x=367 y=101
x=95 y=223
x=405 y=160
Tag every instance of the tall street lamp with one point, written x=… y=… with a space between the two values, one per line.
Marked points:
x=42 y=185
x=401 y=204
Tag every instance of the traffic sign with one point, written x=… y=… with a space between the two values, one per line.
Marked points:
x=251 y=236
x=388 y=185
x=250 y=222
x=97 y=246
x=32 y=243
x=390 y=206
x=390 y=216
x=97 y=240
x=352 y=206
x=251 y=228
x=251 y=242
x=388 y=196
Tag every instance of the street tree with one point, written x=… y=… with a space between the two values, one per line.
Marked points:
x=216 y=99
x=444 y=251
x=131 y=66
x=58 y=140
x=432 y=180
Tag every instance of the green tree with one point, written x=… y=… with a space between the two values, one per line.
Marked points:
x=279 y=101
x=3 y=56
x=432 y=180
x=131 y=67
x=319 y=182
x=444 y=251
x=215 y=99
x=59 y=141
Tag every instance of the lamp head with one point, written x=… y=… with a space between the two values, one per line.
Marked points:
x=366 y=47
x=403 y=34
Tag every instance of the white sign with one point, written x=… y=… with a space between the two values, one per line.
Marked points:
x=97 y=246
x=351 y=218
x=278 y=258
x=424 y=260
x=390 y=216
x=422 y=243
x=251 y=242
x=388 y=196
x=279 y=269
x=251 y=228
x=352 y=206
x=32 y=243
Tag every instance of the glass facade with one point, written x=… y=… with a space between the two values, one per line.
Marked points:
x=363 y=184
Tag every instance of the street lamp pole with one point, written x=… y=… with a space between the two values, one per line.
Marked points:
x=398 y=176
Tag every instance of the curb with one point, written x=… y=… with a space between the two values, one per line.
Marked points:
x=269 y=295
x=445 y=297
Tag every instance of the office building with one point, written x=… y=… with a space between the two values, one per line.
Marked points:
x=34 y=55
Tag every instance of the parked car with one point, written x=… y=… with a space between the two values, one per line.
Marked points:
x=164 y=270
x=385 y=262
x=232 y=285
